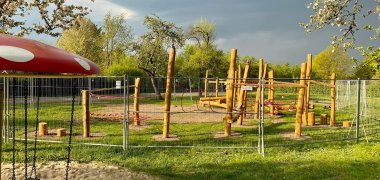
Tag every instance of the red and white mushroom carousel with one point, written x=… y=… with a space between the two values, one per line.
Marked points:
x=21 y=54
x=25 y=55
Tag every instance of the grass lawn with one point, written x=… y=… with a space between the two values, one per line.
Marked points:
x=285 y=158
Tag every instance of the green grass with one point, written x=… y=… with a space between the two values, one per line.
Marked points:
x=285 y=158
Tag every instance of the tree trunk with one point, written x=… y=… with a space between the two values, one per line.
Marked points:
x=156 y=90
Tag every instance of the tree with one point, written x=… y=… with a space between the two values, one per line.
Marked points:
x=151 y=48
x=117 y=37
x=333 y=60
x=203 y=32
x=368 y=68
x=349 y=16
x=55 y=14
x=84 y=40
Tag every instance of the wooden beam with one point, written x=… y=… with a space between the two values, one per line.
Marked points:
x=86 y=113
x=332 y=93
x=260 y=75
x=136 y=104
x=243 y=93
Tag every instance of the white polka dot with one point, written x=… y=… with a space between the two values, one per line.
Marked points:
x=83 y=63
x=15 y=54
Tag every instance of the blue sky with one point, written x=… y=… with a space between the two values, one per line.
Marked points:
x=261 y=28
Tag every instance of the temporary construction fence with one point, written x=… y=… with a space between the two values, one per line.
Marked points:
x=126 y=112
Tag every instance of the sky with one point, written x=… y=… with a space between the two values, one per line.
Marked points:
x=265 y=29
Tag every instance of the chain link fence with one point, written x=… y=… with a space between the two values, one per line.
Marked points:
x=117 y=116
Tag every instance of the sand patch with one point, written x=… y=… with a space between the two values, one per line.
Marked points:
x=220 y=134
x=172 y=137
x=57 y=170
x=291 y=135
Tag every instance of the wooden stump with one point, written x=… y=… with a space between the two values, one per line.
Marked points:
x=323 y=119
x=43 y=129
x=311 y=118
x=61 y=132
x=346 y=124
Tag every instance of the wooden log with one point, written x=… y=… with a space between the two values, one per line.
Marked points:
x=243 y=94
x=301 y=95
x=61 y=132
x=332 y=93
x=347 y=124
x=206 y=84
x=261 y=72
x=311 y=118
x=168 y=93
x=211 y=98
x=229 y=94
x=271 y=91
x=304 y=118
x=43 y=129
x=136 y=106
x=235 y=85
x=86 y=113
x=323 y=119
x=214 y=103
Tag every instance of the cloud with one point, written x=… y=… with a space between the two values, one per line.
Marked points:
x=275 y=47
x=102 y=7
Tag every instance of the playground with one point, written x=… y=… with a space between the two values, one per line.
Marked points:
x=44 y=113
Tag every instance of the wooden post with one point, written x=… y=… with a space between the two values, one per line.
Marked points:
x=61 y=132
x=271 y=90
x=1 y=127
x=332 y=93
x=240 y=71
x=136 y=109
x=43 y=129
x=229 y=94
x=243 y=93
x=261 y=72
x=217 y=87
x=165 y=131
x=323 y=119
x=206 y=83
x=311 y=118
x=86 y=113
x=309 y=68
x=301 y=95
x=346 y=124
x=235 y=88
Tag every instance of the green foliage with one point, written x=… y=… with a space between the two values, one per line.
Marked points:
x=333 y=59
x=84 y=40
x=126 y=66
x=194 y=61
x=118 y=37
x=203 y=32
x=285 y=70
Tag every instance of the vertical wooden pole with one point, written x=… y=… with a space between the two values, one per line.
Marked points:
x=235 y=88
x=243 y=93
x=265 y=71
x=300 y=102
x=309 y=68
x=136 y=109
x=261 y=72
x=240 y=71
x=86 y=113
x=206 y=83
x=165 y=131
x=217 y=87
x=1 y=127
x=229 y=94
x=271 y=90
x=332 y=93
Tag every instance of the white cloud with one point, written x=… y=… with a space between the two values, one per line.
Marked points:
x=274 y=47
x=101 y=7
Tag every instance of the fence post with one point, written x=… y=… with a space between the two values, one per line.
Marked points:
x=301 y=98
x=1 y=126
x=229 y=94
x=333 y=98
x=126 y=113
x=358 y=111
